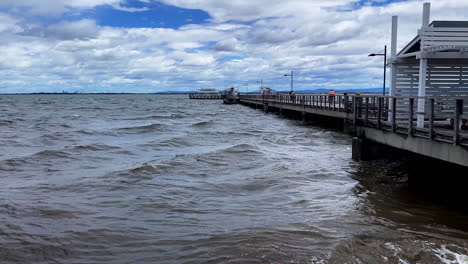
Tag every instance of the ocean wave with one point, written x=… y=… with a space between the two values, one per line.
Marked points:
x=95 y=147
x=89 y=108
x=46 y=155
x=156 y=127
x=144 y=171
x=203 y=123
x=6 y=123
x=177 y=142
x=241 y=149
x=156 y=117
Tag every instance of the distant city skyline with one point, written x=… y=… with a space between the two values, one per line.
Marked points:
x=150 y=46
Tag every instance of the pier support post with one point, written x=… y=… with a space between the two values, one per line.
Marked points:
x=357 y=149
x=348 y=127
x=364 y=149
x=265 y=108
x=303 y=115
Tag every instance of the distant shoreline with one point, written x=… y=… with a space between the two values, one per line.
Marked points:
x=85 y=93
x=317 y=91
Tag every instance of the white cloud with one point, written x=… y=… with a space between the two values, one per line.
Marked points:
x=83 y=29
x=57 y=7
x=324 y=45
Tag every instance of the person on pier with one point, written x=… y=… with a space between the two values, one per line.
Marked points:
x=292 y=95
x=464 y=124
x=331 y=97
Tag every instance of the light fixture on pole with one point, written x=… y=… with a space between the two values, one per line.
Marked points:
x=385 y=66
x=261 y=83
x=292 y=79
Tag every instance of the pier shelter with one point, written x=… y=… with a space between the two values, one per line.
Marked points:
x=434 y=65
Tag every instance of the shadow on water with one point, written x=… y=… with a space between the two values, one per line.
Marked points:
x=415 y=212
x=417 y=184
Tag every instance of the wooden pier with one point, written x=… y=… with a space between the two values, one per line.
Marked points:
x=382 y=121
x=207 y=96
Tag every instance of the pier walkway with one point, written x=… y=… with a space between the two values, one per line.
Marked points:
x=379 y=121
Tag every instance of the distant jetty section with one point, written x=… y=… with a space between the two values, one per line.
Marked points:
x=207 y=94
x=198 y=96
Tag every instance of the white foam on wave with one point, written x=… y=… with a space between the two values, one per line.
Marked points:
x=449 y=257
x=396 y=251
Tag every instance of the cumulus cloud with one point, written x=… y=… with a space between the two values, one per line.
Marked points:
x=57 y=7
x=83 y=29
x=325 y=42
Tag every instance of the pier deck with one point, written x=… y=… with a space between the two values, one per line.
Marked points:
x=390 y=121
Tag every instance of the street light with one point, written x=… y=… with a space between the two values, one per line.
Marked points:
x=292 y=77
x=385 y=66
x=261 y=83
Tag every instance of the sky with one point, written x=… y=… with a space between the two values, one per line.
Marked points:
x=178 y=45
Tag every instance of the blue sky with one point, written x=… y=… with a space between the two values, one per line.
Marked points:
x=150 y=46
x=155 y=15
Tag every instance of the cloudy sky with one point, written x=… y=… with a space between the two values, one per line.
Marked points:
x=160 y=45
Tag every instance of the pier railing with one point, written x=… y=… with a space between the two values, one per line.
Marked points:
x=392 y=114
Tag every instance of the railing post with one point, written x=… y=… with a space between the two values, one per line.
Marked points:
x=355 y=110
x=367 y=111
x=334 y=103
x=386 y=107
x=431 y=119
x=339 y=101
x=456 y=119
x=346 y=103
x=360 y=100
x=379 y=114
x=411 y=116
x=394 y=124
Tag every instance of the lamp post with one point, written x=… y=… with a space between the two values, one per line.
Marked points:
x=292 y=78
x=385 y=66
x=261 y=83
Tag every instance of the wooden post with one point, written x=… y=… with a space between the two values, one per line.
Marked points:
x=339 y=102
x=346 y=103
x=410 y=117
x=393 y=119
x=456 y=119
x=355 y=110
x=431 y=119
x=379 y=114
x=334 y=103
x=367 y=111
x=360 y=100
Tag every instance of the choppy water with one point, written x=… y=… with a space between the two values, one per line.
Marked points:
x=164 y=179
